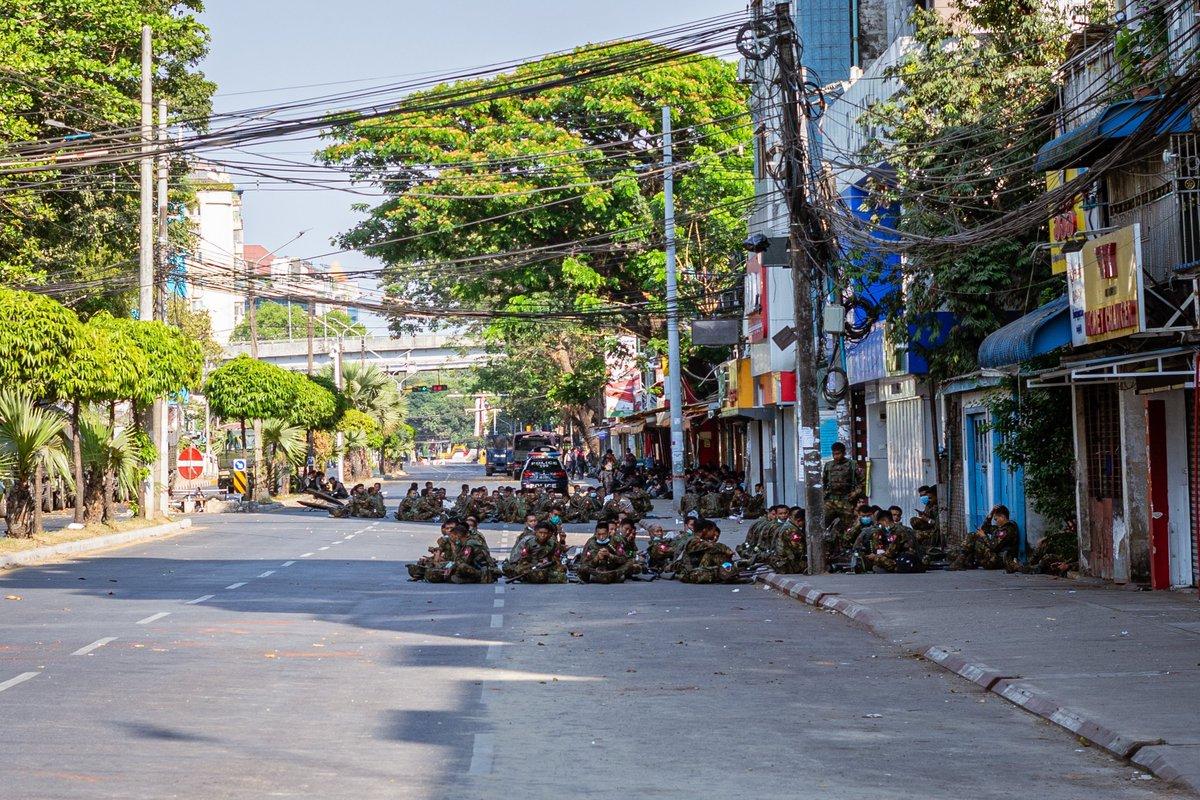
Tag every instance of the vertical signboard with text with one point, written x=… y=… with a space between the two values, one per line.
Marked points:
x=1104 y=287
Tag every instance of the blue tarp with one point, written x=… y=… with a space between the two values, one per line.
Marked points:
x=1037 y=333
x=1081 y=146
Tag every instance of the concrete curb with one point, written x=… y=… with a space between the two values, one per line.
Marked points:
x=95 y=543
x=1146 y=754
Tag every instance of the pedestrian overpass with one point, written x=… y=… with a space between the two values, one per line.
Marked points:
x=404 y=355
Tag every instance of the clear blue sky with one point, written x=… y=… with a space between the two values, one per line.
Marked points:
x=261 y=45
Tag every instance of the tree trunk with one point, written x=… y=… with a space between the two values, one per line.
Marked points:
x=37 y=499
x=77 y=458
x=93 y=497
x=19 y=511
x=110 y=479
x=258 y=476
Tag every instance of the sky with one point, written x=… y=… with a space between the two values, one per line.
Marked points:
x=261 y=46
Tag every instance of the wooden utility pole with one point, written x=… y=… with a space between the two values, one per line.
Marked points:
x=806 y=249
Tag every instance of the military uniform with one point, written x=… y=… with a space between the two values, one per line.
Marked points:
x=536 y=562
x=659 y=553
x=758 y=539
x=706 y=561
x=439 y=554
x=689 y=503
x=755 y=507
x=789 y=549
x=841 y=481
x=471 y=561
x=375 y=506
x=642 y=504
x=714 y=505
x=895 y=549
x=990 y=548
x=606 y=561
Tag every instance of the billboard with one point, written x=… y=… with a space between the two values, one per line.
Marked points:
x=1104 y=287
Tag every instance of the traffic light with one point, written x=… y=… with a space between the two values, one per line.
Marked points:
x=421 y=389
x=438 y=387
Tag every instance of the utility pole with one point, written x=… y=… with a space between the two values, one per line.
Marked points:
x=310 y=438
x=161 y=434
x=149 y=500
x=804 y=235
x=674 y=367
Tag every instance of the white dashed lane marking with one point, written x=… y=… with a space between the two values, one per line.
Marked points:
x=267 y=574
x=497 y=620
x=306 y=555
x=96 y=645
x=287 y=563
x=11 y=682
x=201 y=599
x=482 y=754
x=154 y=618
x=493 y=651
x=236 y=585
x=497 y=604
x=326 y=547
x=499 y=589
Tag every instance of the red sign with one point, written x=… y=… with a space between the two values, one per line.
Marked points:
x=190 y=464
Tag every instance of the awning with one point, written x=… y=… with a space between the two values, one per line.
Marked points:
x=1083 y=145
x=1038 y=332
x=760 y=414
x=1171 y=365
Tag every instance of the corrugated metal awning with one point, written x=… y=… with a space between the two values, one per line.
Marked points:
x=1037 y=333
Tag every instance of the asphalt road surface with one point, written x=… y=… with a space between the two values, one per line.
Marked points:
x=287 y=655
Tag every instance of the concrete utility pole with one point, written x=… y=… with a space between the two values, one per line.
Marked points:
x=149 y=500
x=804 y=235
x=674 y=367
x=162 y=476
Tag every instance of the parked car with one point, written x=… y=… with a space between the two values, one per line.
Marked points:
x=544 y=472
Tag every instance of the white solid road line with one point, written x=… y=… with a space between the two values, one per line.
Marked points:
x=497 y=604
x=96 y=645
x=267 y=574
x=236 y=585
x=154 y=617
x=200 y=599
x=287 y=563
x=482 y=754
x=11 y=682
x=306 y=555
x=497 y=620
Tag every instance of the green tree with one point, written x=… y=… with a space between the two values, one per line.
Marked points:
x=570 y=172
x=38 y=338
x=358 y=428
x=111 y=461
x=196 y=325
x=316 y=404
x=32 y=448
x=281 y=321
x=248 y=389
x=106 y=367
x=440 y=417
x=960 y=138
x=79 y=64
x=1035 y=430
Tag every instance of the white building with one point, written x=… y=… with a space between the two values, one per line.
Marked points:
x=212 y=270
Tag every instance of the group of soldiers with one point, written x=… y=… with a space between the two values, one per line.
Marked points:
x=508 y=505
x=610 y=555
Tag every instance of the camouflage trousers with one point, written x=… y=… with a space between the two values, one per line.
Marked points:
x=707 y=575
x=595 y=575
x=528 y=573
x=840 y=509
x=465 y=573
x=977 y=552
x=903 y=563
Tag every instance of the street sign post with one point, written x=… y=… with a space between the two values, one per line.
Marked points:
x=237 y=477
x=190 y=464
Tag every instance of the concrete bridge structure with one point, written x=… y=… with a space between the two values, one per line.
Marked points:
x=404 y=355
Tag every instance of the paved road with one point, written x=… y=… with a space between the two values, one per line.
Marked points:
x=285 y=655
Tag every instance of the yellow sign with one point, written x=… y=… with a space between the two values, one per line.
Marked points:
x=1104 y=286
x=1067 y=224
x=238 y=479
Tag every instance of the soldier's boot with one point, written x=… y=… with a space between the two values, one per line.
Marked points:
x=416 y=572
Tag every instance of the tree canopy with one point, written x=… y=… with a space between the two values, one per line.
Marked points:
x=246 y=388
x=570 y=180
x=79 y=65
x=39 y=337
x=107 y=365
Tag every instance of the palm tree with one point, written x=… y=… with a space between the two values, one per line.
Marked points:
x=33 y=446
x=287 y=444
x=104 y=451
x=372 y=391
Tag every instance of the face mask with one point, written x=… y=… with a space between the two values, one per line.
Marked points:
x=865 y=520
x=555 y=519
x=925 y=501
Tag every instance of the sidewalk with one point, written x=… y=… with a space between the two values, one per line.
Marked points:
x=1119 y=668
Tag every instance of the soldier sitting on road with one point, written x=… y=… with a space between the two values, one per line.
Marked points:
x=927 y=521
x=470 y=559
x=755 y=505
x=1055 y=554
x=659 y=550
x=407 y=509
x=374 y=507
x=704 y=559
x=439 y=554
x=462 y=503
x=992 y=544
x=761 y=536
x=604 y=558
x=894 y=546
x=539 y=559
x=353 y=507
x=714 y=505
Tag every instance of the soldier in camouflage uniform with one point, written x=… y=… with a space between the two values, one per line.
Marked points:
x=927 y=522
x=996 y=542
x=439 y=554
x=604 y=558
x=354 y=506
x=842 y=483
x=789 y=547
x=756 y=504
x=462 y=503
x=539 y=559
x=430 y=508
x=659 y=550
x=640 y=500
x=375 y=507
x=470 y=559
x=689 y=503
x=579 y=507
x=761 y=536
x=1056 y=554
x=406 y=511
x=713 y=505
x=894 y=546
x=704 y=559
